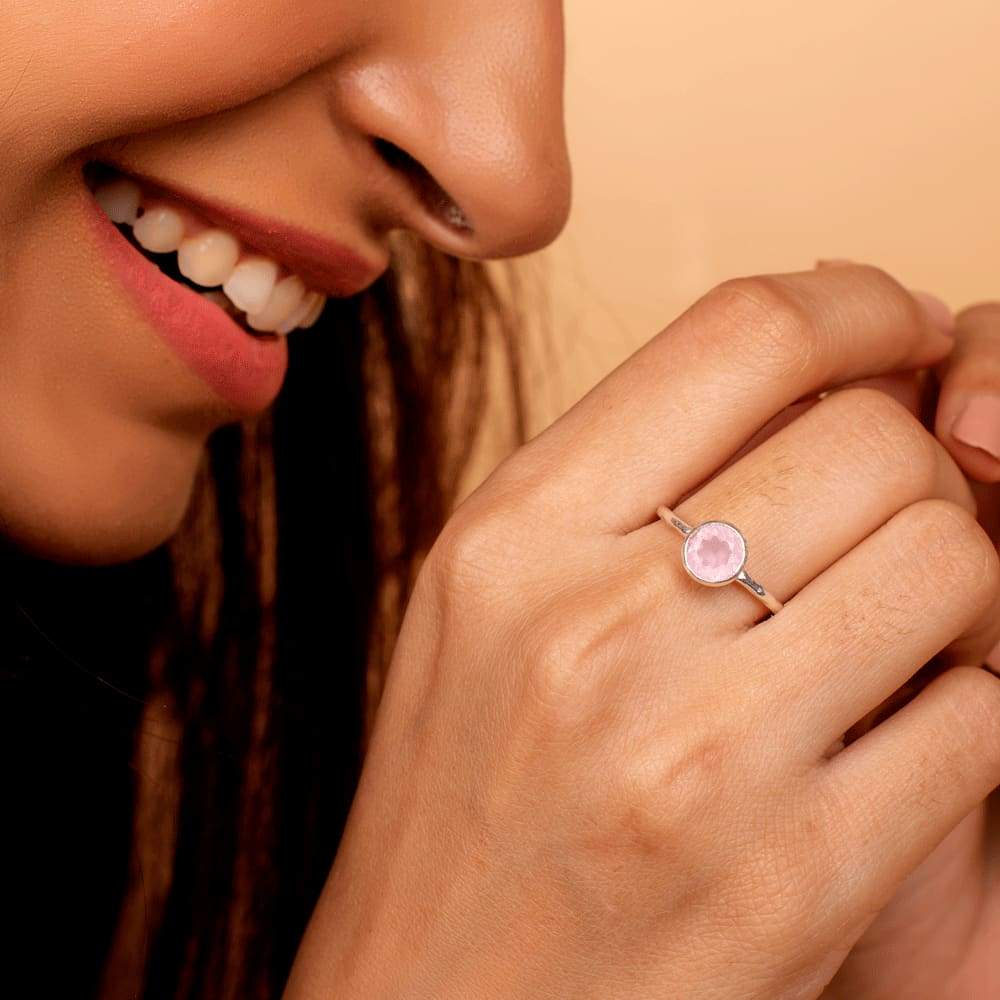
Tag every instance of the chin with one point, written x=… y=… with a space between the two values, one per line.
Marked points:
x=102 y=545
x=103 y=540
x=108 y=507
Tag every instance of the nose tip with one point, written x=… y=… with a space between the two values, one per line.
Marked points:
x=471 y=131
x=516 y=197
x=496 y=207
x=484 y=202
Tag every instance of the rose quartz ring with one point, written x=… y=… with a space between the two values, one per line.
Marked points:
x=715 y=553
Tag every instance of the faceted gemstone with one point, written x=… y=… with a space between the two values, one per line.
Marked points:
x=714 y=552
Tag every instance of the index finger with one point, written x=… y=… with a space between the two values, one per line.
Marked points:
x=968 y=415
x=669 y=416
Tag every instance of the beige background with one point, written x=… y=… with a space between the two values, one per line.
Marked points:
x=716 y=138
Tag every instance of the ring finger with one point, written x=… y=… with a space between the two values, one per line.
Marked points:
x=806 y=496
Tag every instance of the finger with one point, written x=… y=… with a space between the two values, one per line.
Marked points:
x=924 y=581
x=914 y=777
x=905 y=388
x=992 y=662
x=938 y=309
x=809 y=494
x=678 y=409
x=968 y=415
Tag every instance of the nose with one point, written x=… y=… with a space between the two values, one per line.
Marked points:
x=461 y=115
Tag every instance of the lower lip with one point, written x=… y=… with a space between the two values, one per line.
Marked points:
x=242 y=370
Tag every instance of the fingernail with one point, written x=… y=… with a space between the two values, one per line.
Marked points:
x=978 y=425
x=937 y=312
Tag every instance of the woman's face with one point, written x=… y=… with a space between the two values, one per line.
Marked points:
x=275 y=142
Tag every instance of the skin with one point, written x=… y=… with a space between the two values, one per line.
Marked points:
x=103 y=426
x=646 y=815
x=597 y=812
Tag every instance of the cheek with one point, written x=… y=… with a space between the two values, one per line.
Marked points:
x=87 y=474
x=78 y=73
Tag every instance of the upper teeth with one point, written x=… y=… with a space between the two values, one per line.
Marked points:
x=160 y=229
x=213 y=257
x=251 y=282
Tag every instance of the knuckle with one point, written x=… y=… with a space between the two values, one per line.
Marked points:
x=971 y=709
x=494 y=528
x=658 y=798
x=883 y=433
x=701 y=804
x=773 y=326
x=467 y=552
x=555 y=656
x=693 y=764
x=565 y=650
x=668 y=788
x=946 y=540
x=889 y=296
x=886 y=284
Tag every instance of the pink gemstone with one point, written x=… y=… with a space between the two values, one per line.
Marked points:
x=714 y=552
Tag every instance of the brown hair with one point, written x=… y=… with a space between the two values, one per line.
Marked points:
x=235 y=671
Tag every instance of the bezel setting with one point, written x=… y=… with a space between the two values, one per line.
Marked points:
x=724 y=531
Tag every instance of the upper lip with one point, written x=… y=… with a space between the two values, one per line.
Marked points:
x=324 y=264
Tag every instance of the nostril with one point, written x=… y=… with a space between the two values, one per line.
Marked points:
x=434 y=198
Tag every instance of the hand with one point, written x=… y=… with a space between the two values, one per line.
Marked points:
x=968 y=413
x=937 y=939
x=590 y=776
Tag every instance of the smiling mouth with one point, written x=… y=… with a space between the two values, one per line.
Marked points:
x=259 y=293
